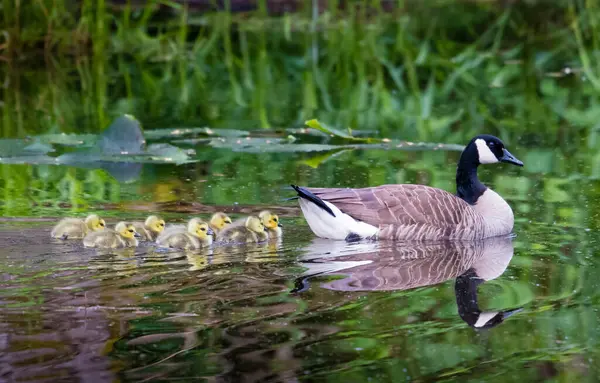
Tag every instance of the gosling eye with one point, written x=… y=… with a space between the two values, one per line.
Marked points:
x=131 y=231
x=162 y=224
x=274 y=219
x=101 y=224
x=203 y=228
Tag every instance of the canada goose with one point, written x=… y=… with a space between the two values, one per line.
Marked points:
x=70 y=228
x=150 y=228
x=124 y=235
x=197 y=234
x=416 y=212
x=272 y=223
x=218 y=222
x=253 y=230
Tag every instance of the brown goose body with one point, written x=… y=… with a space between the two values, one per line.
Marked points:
x=416 y=212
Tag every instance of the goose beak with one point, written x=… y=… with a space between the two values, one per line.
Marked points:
x=507 y=157
x=137 y=235
x=279 y=225
x=210 y=231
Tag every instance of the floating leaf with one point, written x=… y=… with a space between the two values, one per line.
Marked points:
x=12 y=147
x=157 y=134
x=78 y=140
x=316 y=124
x=124 y=135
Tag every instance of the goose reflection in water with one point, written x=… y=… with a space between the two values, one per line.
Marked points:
x=402 y=266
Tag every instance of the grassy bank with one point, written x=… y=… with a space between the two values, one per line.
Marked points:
x=438 y=72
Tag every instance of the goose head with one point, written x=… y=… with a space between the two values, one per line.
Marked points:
x=487 y=149
x=482 y=149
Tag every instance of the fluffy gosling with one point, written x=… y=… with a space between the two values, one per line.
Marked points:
x=272 y=223
x=150 y=229
x=196 y=235
x=70 y=228
x=124 y=235
x=218 y=222
x=253 y=230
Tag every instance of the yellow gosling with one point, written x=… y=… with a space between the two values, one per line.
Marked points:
x=196 y=235
x=76 y=228
x=219 y=221
x=253 y=230
x=150 y=229
x=124 y=235
x=272 y=223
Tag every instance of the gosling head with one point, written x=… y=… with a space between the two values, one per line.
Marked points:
x=126 y=230
x=489 y=150
x=155 y=224
x=254 y=224
x=95 y=223
x=219 y=220
x=269 y=220
x=199 y=228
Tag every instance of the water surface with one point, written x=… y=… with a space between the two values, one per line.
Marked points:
x=301 y=309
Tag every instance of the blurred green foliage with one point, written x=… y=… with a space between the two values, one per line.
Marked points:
x=435 y=71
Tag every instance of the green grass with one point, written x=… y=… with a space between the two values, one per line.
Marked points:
x=436 y=72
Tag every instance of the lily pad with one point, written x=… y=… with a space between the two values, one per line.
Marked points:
x=124 y=135
x=63 y=139
x=157 y=134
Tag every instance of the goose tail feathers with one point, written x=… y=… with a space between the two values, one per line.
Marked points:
x=327 y=221
x=303 y=193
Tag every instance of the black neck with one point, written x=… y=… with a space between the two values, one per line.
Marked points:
x=468 y=186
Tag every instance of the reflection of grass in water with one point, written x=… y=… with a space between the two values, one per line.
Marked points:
x=413 y=74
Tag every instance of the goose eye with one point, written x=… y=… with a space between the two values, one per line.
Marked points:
x=162 y=224
x=101 y=224
x=131 y=231
x=274 y=219
x=203 y=228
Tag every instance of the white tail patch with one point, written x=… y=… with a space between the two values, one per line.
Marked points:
x=326 y=226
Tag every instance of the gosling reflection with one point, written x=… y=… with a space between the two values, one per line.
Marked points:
x=402 y=266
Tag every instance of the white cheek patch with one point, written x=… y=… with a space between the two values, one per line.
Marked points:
x=484 y=318
x=485 y=154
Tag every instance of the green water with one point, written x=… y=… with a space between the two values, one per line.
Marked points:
x=235 y=314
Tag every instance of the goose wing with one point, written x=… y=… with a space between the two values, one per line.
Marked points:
x=406 y=211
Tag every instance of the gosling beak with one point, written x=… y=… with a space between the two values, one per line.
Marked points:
x=210 y=231
x=509 y=158
x=279 y=225
x=137 y=235
x=266 y=229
